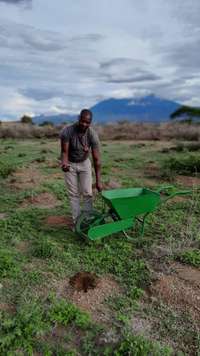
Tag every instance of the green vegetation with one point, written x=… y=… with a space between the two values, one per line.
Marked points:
x=183 y=165
x=6 y=169
x=25 y=119
x=187 y=114
x=37 y=257
x=139 y=346
x=191 y=257
x=65 y=313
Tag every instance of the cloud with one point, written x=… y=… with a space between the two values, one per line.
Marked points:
x=15 y=1
x=126 y=70
x=40 y=94
x=76 y=55
x=25 y=3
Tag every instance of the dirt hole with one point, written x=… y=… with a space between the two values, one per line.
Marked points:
x=83 y=281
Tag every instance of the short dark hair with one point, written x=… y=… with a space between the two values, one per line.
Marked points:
x=86 y=112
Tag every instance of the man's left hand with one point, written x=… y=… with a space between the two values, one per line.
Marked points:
x=99 y=186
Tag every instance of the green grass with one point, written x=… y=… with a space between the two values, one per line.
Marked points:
x=34 y=256
x=191 y=257
x=188 y=164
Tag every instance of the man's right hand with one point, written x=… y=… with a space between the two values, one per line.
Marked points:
x=65 y=166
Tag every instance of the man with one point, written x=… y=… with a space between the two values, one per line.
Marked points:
x=76 y=142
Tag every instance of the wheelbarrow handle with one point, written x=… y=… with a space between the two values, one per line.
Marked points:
x=181 y=192
x=164 y=187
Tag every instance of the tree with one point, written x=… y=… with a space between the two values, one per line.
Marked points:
x=186 y=114
x=25 y=119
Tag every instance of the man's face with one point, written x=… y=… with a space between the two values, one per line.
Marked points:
x=84 y=122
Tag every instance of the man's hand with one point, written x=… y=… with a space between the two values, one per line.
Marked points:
x=65 y=166
x=99 y=186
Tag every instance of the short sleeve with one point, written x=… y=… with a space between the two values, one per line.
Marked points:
x=65 y=134
x=94 y=140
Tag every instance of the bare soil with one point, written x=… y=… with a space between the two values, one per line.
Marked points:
x=43 y=200
x=26 y=178
x=92 y=301
x=57 y=220
x=188 y=181
x=180 y=289
x=83 y=281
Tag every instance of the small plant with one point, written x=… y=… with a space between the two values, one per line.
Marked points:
x=65 y=313
x=183 y=165
x=6 y=169
x=139 y=346
x=8 y=266
x=18 y=331
x=43 y=248
x=191 y=257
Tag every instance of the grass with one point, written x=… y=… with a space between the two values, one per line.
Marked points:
x=191 y=257
x=35 y=257
x=189 y=164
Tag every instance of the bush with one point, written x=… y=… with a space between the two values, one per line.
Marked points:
x=26 y=120
x=183 y=165
x=139 y=346
x=18 y=332
x=65 y=313
x=191 y=257
x=6 y=169
x=8 y=265
x=46 y=123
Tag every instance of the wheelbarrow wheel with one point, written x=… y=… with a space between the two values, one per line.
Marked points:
x=86 y=220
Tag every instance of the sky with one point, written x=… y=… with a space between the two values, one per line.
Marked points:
x=62 y=56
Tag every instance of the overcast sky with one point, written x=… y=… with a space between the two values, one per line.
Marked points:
x=60 y=56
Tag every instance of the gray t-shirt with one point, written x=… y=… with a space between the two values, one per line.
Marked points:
x=78 y=143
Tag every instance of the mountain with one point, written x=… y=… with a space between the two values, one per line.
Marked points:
x=55 y=119
x=147 y=109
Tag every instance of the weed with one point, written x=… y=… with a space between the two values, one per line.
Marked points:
x=139 y=346
x=43 y=248
x=182 y=165
x=64 y=313
x=8 y=264
x=6 y=169
x=191 y=257
x=19 y=331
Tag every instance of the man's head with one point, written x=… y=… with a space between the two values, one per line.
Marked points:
x=85 y=119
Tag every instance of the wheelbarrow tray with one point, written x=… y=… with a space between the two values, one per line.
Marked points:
x=130 y=202
x=125 y=205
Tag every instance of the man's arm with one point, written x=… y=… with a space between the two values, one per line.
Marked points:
x=97 y=168
x=64 y=156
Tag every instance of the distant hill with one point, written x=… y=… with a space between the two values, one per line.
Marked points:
x=55 y=119
x=147 y=109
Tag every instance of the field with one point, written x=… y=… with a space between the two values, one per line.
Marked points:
x=146 y=296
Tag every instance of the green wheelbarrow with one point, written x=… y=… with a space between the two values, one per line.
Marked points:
x=121 y=209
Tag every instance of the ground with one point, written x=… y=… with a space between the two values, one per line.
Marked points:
x=61 y=295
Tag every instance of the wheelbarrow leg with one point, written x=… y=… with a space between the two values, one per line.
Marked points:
x=143 y=222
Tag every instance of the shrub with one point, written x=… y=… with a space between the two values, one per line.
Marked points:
x=183 y=165
x=18 y=332
x=139 y=346
x=8 y=266
x=6 y=169
x=191 y=257
x=26 y=120
x=65 y=313
x=47 y=123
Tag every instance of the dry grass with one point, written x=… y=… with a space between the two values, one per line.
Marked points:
x=110 y=131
